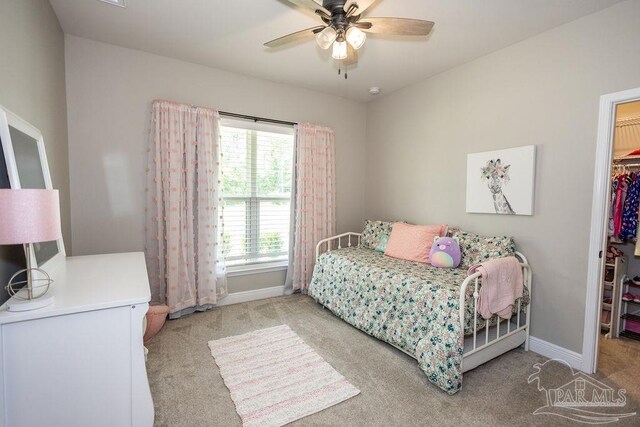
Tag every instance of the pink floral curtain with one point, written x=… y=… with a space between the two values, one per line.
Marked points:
x=315 y=199
x=183 y=213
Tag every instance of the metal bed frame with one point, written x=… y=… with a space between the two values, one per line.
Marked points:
x=483 y=344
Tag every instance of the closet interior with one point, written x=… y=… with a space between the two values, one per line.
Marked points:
x=620 y=299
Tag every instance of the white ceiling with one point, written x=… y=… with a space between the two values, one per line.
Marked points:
x=229 y=35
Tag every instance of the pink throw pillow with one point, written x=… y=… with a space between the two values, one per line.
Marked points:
x=413 y=242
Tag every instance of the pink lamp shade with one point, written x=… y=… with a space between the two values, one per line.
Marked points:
x=29 y=216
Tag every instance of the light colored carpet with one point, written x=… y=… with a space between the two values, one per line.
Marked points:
x=188 y=390
x=619 y=360
x=275 y=378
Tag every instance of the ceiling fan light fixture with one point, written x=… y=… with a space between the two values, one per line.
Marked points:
x=339 y=50
x=345 y=29
x=356 y=37
x=325 y=37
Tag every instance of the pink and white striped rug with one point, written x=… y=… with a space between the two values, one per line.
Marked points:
x=275 y=378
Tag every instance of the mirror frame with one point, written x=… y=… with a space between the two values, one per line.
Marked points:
x=7 y=118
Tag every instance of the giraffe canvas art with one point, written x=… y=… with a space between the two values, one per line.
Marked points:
x=502 y=181
x=497 y=175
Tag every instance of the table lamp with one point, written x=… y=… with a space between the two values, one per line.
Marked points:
x=26 y=217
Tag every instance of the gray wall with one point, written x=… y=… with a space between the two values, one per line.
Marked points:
x=109 y=92
x=633 y=262
x=32 y=85
x=543 y=91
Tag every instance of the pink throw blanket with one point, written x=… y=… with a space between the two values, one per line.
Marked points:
x=502 y=284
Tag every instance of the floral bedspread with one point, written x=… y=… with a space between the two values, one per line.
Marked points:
x=410 y=305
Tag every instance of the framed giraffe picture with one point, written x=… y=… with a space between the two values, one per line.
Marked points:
x=502 y=181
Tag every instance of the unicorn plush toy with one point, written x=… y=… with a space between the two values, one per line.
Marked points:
x=445 y=252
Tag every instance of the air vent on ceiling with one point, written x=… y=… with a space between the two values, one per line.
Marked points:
x=120 y=3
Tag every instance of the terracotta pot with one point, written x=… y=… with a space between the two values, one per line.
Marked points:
x=156 y=317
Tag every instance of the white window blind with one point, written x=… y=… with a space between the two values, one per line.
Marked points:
x=257 y=166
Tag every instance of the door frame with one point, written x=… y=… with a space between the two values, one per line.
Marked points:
x=599 y=215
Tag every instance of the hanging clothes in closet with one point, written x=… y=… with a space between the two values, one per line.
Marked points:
x=624 y=209
x=630 y=211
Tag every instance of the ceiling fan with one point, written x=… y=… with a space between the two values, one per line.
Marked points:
x=345 y=28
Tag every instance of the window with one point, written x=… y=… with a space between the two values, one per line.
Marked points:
x=257 y=166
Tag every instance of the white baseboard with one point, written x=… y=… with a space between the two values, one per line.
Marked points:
x=238 y=297
x=553 y=351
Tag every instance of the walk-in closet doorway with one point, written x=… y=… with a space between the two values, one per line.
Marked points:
x=612 y=317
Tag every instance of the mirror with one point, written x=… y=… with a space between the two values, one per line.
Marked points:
x=26 y=165
x=25 y=151
x=11 y=256
x=4 y=173
x=31 y=175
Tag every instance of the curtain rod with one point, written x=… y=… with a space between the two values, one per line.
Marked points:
x=236 y=115
x=256 y=119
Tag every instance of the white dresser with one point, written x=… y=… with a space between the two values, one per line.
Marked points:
x=80 y=361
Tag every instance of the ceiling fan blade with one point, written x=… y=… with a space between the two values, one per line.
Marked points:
x=352 y=55
x=309 y=32
x=362 y=5
x=396 y=26
x=310 y=4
